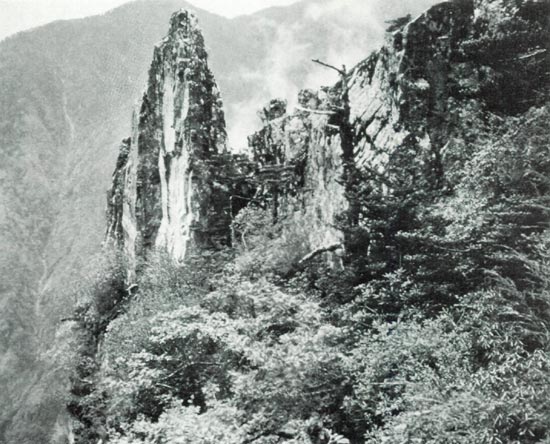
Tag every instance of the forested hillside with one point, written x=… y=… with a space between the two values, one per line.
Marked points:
x=384 y=278
x=67 y=91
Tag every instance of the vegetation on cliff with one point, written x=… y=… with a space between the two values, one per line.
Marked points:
x=436 y=330
x=430 y=325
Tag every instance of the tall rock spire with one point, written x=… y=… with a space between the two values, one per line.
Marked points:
x=163 y=188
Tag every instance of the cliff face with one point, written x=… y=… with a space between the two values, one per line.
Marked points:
x=407 y=99
x=300 y=166
x=412 y=100
x=165 y=186
x=457 y=58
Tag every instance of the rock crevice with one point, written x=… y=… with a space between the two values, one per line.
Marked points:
x=164 y=187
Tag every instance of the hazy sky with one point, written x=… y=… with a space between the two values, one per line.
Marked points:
x=18 y=15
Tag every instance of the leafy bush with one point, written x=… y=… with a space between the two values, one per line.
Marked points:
x=268 y=248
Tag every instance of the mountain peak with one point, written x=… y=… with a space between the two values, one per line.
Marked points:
x=184 y=22
x=161 y=197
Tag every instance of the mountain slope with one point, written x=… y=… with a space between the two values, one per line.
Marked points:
x=387 y=279
x=68 y=90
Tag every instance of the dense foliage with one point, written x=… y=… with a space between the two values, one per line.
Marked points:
x=431 y=326
x=436 y=329
x=67 y=91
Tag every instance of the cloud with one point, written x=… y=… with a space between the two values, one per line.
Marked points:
x=340 y=32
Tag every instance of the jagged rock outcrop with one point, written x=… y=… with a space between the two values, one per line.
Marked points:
x=299 y=158
x=411 y=98
x=456 y=58
x=166 y=189
x=174 y=181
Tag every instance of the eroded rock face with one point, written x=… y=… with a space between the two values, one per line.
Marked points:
x=165 y=193
x=456 y=58
x=411 y=98
x=172 y=181
x=300 y=165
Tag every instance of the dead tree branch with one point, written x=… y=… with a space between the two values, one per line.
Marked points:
x=319 y=251
x=342 y=71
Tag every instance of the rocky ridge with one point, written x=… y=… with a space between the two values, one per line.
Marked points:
x=406 y=124
x=407 y=99
x=175 y=187
x=165 y=185
x=414 y=99
x=67 y=99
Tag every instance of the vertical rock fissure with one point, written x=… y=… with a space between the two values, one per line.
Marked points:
x=180 y=128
